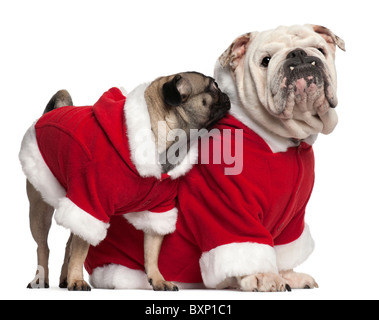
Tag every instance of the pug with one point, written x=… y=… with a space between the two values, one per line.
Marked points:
x=91 y=163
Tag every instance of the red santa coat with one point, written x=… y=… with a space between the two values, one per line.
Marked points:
x=87 y=153
x=228 y=225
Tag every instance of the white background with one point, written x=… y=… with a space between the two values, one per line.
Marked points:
x=89 y=46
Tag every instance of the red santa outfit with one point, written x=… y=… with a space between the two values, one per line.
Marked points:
x=92 y=163
x=228 y=225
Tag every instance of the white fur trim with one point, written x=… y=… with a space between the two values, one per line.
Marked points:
x=36 y=170
x=160 y=223
x=290 y=256
x=236 y=260
x=141 y=138
x=81 y=223
x=144 y=153
x=187 y=163
x=114 y=276
x=276 y=143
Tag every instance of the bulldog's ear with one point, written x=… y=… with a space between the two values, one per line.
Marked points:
x=236 y=51
x=330 y=38
x=176 y=91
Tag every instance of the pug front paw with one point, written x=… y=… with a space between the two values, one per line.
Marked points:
x=79 y=285
x=162 y=285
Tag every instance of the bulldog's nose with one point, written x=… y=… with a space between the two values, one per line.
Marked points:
x=298 y=58
x=297 y=54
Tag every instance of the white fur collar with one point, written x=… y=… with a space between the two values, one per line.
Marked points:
x=275 y=142
x=144 y=153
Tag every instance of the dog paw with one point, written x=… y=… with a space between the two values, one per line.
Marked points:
x=263 y=282
x=299 y=280
x=37 y=284
x=162 y=285
x=63 y=284
x=78 y=285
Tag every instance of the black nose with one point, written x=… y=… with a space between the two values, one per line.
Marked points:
x=298 y=59
x=297 y=54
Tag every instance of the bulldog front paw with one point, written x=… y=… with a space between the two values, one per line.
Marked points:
x=162 y=285
x=299 y=280
x=79 y=285
x=263 y=282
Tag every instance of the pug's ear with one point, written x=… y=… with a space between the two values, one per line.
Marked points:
x=330 y=38
x=236 y=51
x=176 y=91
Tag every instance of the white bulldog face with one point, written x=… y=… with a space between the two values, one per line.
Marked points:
x=285 y=79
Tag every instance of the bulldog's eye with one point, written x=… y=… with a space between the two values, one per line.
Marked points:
x=266 y=62
x=322 y=51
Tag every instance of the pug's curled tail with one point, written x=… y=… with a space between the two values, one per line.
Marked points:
x=61 y=99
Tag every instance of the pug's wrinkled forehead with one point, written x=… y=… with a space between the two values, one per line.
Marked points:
x=196 y=82
x=182 y=87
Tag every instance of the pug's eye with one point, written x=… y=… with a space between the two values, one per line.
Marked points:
x=322 y=51
x=266 y=62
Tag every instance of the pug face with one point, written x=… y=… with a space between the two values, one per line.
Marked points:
x=195 y=99
x=180 y=106
x=285 y=78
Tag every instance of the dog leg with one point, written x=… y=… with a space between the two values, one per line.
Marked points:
x=263 y=282
x=64 y=271
x=40 y=216
x=298 y=280
x=152 y=247
x=79 y=251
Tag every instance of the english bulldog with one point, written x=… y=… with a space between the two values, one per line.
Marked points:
x=248 y=230
x=283 y=85
x=284 y=82
x=91 y=163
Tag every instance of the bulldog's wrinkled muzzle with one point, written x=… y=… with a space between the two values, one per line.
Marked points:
x=300 y=66
x=302 y=94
